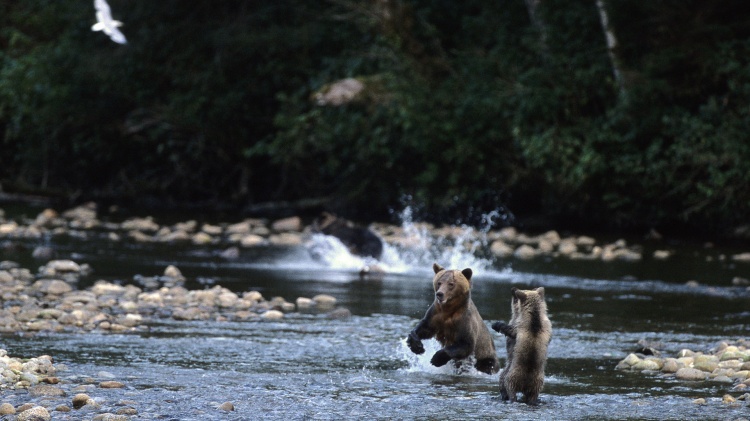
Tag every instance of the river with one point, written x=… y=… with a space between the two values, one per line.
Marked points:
x=307 y=366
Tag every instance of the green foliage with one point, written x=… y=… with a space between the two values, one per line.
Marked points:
x=466 y=105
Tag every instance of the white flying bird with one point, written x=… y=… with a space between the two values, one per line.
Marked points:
x=106 y=24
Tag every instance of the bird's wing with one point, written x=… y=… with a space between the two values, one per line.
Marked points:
x=102 y=7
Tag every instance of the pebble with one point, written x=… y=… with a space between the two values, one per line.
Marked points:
x=226 y=406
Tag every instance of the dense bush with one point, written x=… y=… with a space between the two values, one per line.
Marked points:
x=468 y=107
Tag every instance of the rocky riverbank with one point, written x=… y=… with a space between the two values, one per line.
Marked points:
x=728 y=363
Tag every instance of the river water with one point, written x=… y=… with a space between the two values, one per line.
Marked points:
x=307 y=366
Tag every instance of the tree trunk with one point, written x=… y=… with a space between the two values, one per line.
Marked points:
x=538 y=23
x=609 y=34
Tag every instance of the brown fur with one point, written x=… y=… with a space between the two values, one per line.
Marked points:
x=454 y=321
x=528 y=334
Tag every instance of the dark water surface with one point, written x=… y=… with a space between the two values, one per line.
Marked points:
x=307 y=366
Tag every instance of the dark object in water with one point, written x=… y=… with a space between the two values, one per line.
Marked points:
x=359 y=240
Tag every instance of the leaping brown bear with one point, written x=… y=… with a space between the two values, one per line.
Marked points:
x=454 y=321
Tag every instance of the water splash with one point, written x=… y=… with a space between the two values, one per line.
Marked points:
x=421 y=363
x=453 y=247
x=414 y=247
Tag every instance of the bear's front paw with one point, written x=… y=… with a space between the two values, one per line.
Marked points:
x=440 y=358
x=415 y=344
x=499 y=326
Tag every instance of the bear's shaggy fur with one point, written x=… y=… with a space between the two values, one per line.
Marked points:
x=454 y=321
x=528 y=335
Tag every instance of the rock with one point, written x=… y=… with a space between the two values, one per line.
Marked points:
x=272 y=315
x=707 y=363
x=508 y=234
x=303 y=302
x=699 y=401
x=251 y=240
x=324 y=300
x=293 y=224
x=211 y=229
x=111 y=384
x=226 y=406
x=146 y=224
x=524 y=252
x=172 y=272
x=52 y=286
x=36 y=413
x=650 y=364
x=60 y=266
x=231 y=253
x=567 y=247
x=670 y=366
x=80 y=400
x=662 y=254
x=631 y=360
x=7 y=409
x=688 y=373
x=742 y=257
x=500 y=249
x=110 y=417
x=202 y=238
x=339 y=313
x=728 y=399
x=286 y=239
x=45 y=390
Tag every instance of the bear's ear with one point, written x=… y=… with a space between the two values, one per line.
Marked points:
x=467 y=273
x=437 y=268
x=519 y=294
x=540 y=291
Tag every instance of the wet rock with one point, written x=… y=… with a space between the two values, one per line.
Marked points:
x=111 y=417
x=251 y=240
x=285 y=239
x=146 y=224
x=707 y=363
x=650 y=364
x=293 y=224
x=339 y=313
x=524 y=252
x=212 y=230
x=741 y=257
x=202 y=238
x=52 y=286
x=324 y=300
x=662 y=254
x=688 y=373
x=226 y=406
x=303 y=302
x=699 y=401
x=111 y=384
x=7 y=409
x=670 y=366
x=272 y=315
x=80 y=400
x=45 y=390
x=567 y=247
x=36 y=413
x=128 y=410
x=500 y=249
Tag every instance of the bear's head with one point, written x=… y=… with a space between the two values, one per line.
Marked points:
x=452 y=287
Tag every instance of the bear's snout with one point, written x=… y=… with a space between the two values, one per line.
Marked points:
x=440 y=296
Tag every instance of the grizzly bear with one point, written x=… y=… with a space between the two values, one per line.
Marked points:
x=359 y=240
x=527 y=336
x=454 y=321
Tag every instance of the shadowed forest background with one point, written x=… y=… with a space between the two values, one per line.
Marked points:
x=609 y=114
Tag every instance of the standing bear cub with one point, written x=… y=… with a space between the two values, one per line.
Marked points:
x=454 y=321
x=527 y=336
